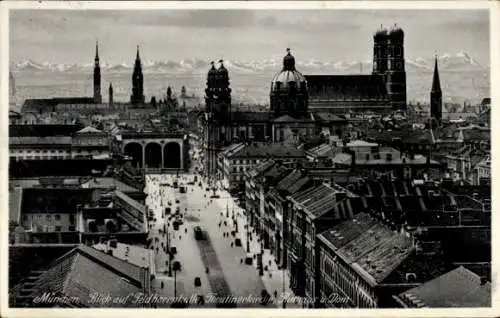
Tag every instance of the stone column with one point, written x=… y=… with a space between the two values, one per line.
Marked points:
x=162 y=156
x=143 y=148
x=182 y=154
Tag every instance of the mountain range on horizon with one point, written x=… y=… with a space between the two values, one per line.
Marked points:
x=461 y=61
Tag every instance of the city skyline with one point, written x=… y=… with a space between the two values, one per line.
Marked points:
x=60 y=36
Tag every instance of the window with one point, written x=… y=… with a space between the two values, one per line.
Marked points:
x=71 y=228
x=48 y=217
x=58 y=217
x=58 y=228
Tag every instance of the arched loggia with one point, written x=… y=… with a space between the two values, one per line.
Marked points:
x=134 y=150
x=153 y=155
x=172 y=155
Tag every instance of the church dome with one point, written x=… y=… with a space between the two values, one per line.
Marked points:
x=222 y=69
x=288 y=77
x=396 y=32
x=381 y=34
x=212 y=70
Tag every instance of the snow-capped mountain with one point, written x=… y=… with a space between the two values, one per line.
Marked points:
x=448 y=62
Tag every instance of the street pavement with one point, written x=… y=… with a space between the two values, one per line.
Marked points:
x=219 y=253
x=187 y=251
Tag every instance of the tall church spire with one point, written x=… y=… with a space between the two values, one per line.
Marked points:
x=96 y=51
x=436 y=85
x=137 y=96
x=97 y=76
x=110 y=92
x=436 y=95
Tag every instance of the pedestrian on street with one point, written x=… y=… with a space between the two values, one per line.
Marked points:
x=232 y=244
x=275 y=294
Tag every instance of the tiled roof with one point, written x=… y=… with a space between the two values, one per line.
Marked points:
x=329 y=117
x=407 y=135
x=370 y=247
x=316 y=200
x=136 y=205
x=261 y=168
x=378 y=251
x=133 y=254
x=341 y=234
x=323 y=150
x=233 y=148
x=239 y=116
x=108 y=183
x=85 y=270
x=342 y=158
x=457 y=288
x=89 y=129
x=40 y=141
x=292 y=182
x=361 y=143
x=268 y=150
x=289 y=119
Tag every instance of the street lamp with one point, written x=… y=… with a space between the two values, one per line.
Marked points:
x=169 y=252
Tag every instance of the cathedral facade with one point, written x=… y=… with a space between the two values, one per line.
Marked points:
x=304 y=106
x=383 y=90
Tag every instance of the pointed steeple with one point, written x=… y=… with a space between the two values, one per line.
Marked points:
x=436 y=85
x=137 y=57
x=96 y=51
x=97 y=76
x=436 y=95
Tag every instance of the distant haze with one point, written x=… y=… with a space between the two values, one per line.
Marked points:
x=52 y=52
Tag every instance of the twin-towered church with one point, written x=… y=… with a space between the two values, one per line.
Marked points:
x=304 y=104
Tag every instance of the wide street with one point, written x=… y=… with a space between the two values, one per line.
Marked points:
x=217 y=261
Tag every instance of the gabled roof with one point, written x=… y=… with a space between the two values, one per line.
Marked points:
x=289 y=119
x=329 y=117
x=266 y=150
x=261 y=168
x=316 y=200
x=85 y=270
x=457 y=288
x=376 y=252
x=89 y=129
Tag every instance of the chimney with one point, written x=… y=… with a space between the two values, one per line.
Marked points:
x=483 y=281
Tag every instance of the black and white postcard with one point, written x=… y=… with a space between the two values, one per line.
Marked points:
x=213 y=157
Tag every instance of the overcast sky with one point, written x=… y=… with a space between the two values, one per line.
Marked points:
x=68 y=36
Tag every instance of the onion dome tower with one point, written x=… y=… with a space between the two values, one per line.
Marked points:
x=223 y=97
x=289 y=90
x=210 y=90
x=380 y=39
x=396 y=76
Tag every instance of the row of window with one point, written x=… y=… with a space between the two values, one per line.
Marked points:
x=245 y=162
x=345 y=279
x=54 y=151
x=48 y=217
